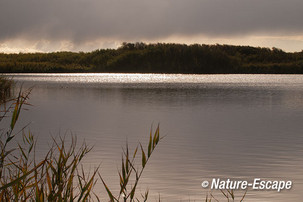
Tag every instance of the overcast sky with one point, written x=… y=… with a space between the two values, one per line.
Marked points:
x=84 y=25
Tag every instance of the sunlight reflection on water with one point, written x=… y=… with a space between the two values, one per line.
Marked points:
x=159 y=78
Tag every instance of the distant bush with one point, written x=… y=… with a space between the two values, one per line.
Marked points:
x=160 y=58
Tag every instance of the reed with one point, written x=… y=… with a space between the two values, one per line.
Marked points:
x=5 y=88
x=130 y=174
x=59 y=176
x=229 y=195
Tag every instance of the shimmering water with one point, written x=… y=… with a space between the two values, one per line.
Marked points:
x=229 y=126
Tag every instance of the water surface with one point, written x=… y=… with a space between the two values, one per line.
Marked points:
x=228 y=126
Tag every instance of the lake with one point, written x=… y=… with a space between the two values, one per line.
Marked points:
x=215 y=126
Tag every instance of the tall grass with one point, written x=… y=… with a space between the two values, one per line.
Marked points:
x=130 y=174
x=229 y=195
x=59 y=176
x=5 y=88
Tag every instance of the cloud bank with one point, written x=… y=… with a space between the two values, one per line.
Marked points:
x=85 y=21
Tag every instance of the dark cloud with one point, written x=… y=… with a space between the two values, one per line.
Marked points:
x=86 y=20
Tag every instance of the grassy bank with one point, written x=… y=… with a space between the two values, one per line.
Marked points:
x=5 y=88
x=160 y=58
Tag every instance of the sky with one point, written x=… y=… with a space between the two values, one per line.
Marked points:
x=86 y=25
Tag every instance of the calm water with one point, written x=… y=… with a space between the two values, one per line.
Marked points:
x=229 y=126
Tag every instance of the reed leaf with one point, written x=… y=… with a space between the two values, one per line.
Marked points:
x=15 y=181
x=143 y=157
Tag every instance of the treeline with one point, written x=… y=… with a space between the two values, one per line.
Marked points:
x=160 y=58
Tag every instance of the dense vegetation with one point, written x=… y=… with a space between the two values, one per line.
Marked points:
x=5 y=88
x=59 y=176
x=159 y=58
